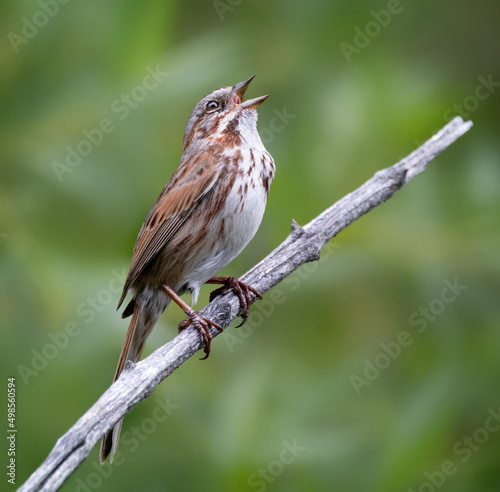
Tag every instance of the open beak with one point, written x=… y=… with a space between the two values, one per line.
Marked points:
x=239 y=91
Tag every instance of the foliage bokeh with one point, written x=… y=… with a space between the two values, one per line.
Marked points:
x=288 y=376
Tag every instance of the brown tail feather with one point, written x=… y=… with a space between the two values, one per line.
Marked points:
x=140 y=327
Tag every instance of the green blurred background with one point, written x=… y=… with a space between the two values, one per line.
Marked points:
x=292 y=375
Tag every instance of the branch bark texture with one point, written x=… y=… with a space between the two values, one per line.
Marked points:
x=302 y=245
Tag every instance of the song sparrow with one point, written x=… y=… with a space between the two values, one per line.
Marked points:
x=207 y=213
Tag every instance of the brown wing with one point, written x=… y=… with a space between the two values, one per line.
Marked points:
x=185 y=189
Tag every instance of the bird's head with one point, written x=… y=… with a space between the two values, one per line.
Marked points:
x=222 y=110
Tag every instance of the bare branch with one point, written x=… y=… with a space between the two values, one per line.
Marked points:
x=302 y=245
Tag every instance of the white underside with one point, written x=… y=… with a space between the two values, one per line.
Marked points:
x=241 y=221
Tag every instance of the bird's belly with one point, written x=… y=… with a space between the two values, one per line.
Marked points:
x=228 y=232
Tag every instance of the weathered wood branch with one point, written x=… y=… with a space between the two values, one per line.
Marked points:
x=302 y=245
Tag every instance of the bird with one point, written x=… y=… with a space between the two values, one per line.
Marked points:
x=206 y=214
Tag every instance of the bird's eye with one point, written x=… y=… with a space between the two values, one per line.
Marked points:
x=213 y=105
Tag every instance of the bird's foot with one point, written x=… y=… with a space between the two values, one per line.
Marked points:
x=241 y=289
x=202 y=325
